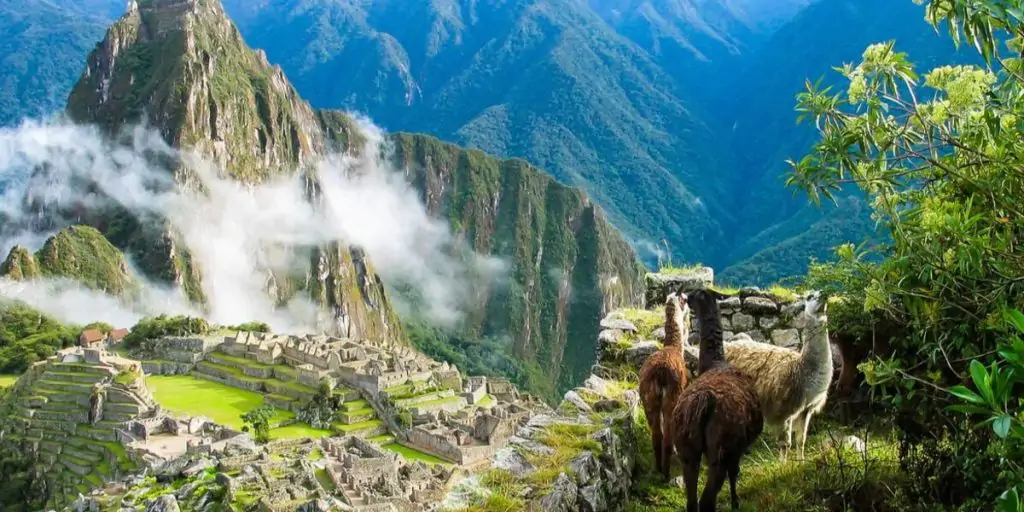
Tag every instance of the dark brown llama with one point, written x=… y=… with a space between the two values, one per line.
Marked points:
x=662 y=379
x=718 y=416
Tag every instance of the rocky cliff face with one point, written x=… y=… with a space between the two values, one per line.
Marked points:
x=569 y=266
x=181 y=67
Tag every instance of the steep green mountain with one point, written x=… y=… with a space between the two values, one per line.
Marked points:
x=762 y=127
x=568 y=265
x=42 y=44
x=184 y=67
x=546 y=80
x=78 y=252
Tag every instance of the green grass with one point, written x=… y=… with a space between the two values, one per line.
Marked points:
x=297 y=430
x=223 y=404
x=7 y=381
x=486 y=401
x=382 y=439
x=412 y=455
x=827 y=479
x=439 y=401
x=675 y=270
x=646 y=321
x=782 y=292
x=315 y=455
x=357 y=426
x=324 y=479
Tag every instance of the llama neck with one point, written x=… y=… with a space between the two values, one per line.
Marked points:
x=675 y=333
x=816 y=349
x=712 y=348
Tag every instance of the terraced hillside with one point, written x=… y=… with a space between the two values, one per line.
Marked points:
x=65 y=417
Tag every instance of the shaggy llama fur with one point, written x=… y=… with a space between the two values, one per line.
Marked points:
x=718 y=416
x=662 y=379
x=792 y=385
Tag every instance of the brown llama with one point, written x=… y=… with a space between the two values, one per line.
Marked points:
x=662 y=379
x=718 y=416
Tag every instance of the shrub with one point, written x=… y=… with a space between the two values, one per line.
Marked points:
x=163 y=325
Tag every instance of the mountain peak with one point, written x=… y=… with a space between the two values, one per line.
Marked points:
x=183 y=67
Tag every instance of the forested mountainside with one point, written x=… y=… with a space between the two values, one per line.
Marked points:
x=761 y=124
x=184 y=68
x=676 y=116
x=549 y=81
x=43 y=44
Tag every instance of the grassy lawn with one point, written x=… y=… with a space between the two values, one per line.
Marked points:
x=7 y=381
x=413 y=455
x=222 y=403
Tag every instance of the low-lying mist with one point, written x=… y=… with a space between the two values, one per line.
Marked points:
x=234 y=232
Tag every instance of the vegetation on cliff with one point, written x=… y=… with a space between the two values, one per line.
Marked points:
x=566 y=263
x=80 y=253
x=936 y=156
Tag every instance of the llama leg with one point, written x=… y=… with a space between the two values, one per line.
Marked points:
x=734 y=474
x=803 y=431
x=788 y=426
x=713 y=485
x=666 y=444
x=657 y=439
x=691 y=473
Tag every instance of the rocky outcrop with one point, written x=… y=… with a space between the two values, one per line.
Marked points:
x=659 y=285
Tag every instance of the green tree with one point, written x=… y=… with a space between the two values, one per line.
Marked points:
x=939 y=157
x=258 y=420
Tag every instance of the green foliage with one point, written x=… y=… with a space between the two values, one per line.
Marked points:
x=404 y=419
x=27 y=336
x=258 y=420
x=128 y=377
x=478 y=357
x=321 y=411
x=250 y=327
x=163 y=325
x=996 y=397
x=42 y=47
x=936 y=155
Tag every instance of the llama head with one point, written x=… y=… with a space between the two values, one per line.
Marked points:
x=677 y=311
x=814 y=313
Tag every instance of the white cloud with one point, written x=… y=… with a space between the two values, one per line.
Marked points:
x=235 y=233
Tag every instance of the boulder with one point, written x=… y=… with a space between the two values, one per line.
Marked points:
x=619 y=324
x=165 y=503
x=512 y=461
x=577 y=401
x=638 y=353
x=562 y=498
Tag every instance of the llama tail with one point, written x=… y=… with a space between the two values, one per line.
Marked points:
x=700 y=411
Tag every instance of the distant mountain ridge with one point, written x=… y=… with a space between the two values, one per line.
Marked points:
x=675 y=116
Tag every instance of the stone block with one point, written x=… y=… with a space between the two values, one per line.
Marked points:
x=767 y=322
x=789 y=338
x=730 y=304
x=757 y=335
x=742 y=322
x=92 y=355
x=760 y=305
